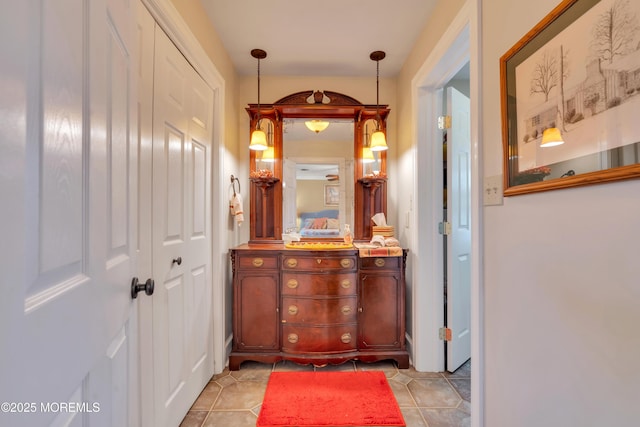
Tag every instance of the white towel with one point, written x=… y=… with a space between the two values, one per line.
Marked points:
x=235 y=205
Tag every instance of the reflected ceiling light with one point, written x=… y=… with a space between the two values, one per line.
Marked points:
x=316 y=126
x=367 y=155
x=258 y=137
x=551 y=137
x=378 y=138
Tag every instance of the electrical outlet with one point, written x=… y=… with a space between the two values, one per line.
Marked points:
x=492 y=190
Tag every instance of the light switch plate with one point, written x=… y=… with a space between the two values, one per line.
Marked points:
x=492 y=190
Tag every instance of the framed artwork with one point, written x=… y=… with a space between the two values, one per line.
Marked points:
x=331 y=195
x=574 y=81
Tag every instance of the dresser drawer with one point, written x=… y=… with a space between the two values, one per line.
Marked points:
x=321 y=262
x=257 y=262
x=309 y=284
x=381 y=263
x=319 y=311
x=319 y=339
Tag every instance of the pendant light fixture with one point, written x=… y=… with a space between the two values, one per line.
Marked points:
x=258 y=137
x=378 y=138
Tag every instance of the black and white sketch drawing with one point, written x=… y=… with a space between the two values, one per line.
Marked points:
x=584 y=81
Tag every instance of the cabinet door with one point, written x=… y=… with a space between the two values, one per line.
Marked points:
x=380 y=321
x=256 y=312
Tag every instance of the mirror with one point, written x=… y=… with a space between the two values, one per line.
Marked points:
x=317 y=190
x=371 y=160
x=347 y=189
x=265 y=159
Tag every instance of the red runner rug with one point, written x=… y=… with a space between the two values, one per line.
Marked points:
x=321 y=399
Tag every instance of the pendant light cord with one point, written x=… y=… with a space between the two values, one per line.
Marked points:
x=377 y=95
x=258 y=54
x=258 y=122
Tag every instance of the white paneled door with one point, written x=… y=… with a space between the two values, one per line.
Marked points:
x=182 y=317
x=68 y=175
x=459 y=244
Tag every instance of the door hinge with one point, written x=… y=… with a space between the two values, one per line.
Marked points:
x=445 y=334
x=444 y=122
x=444 y=228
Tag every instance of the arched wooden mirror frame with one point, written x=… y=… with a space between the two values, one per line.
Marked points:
x=266 y=187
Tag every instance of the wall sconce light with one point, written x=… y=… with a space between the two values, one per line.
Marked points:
x=258 y=137
x=316 y=126
x=551 y=137
x=378 y=138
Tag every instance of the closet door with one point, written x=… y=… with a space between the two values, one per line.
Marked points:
x=67 y=323
x=181 y=218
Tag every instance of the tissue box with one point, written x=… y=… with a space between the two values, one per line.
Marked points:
x=383 y=230
x=290 y=237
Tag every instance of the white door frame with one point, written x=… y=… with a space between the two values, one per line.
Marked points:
x=169 y=19
x=459 y=44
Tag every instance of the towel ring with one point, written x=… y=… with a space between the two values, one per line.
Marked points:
x=233 y=183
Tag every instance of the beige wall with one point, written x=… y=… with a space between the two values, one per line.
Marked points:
x=310 y=196
x=561 y=284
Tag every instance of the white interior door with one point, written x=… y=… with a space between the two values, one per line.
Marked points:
x=182 y=317
x=459 y=244
x=68 y=327
x=144 y=70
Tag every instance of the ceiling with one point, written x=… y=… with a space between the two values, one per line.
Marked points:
x=318 y=37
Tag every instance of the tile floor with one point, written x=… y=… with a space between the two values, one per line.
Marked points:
x=427 y=399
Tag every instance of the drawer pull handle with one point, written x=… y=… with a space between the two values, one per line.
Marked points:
x=346 y=310
x=293 y=338
x=346 y=338
x=346 y=283
x=257 y=262
x=379 y=262
x=292 y=262
x=345 y=262
x=293 y=310
x=292 y=283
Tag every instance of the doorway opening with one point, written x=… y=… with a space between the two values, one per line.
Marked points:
x=456 y=204
x=458 y=46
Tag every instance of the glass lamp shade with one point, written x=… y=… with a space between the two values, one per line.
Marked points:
x=551 y=137
x=316 y=126
x=378 y=141
x=367 y=155
x=258 y=140
x=267 y=155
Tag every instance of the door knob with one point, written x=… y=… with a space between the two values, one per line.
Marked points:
x=136 y=287
x=177 y=261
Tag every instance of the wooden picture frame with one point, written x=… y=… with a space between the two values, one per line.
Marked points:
x=331 y=195
x=560 y=75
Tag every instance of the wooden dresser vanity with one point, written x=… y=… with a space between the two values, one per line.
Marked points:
x=317 y=306
x=314 y=305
